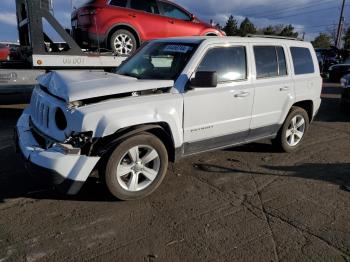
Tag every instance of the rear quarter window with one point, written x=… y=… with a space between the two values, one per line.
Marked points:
x=302 y=61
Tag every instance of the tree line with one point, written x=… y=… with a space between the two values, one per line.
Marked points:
x=325 y=40
x=246 y=27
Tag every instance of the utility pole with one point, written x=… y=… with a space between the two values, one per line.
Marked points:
x=340 y=26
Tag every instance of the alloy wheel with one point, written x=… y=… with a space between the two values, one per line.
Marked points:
x=123 y=44
x=138 y=168
x=295 y=130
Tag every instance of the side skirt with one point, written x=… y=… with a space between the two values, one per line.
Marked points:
x=226 y=141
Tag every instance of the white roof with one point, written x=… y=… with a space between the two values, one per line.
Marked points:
x=234 y=39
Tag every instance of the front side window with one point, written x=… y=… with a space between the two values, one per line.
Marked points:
x=172 y=11
x=149 y=6
x=302 y=61
x=119 y=3
x=270 y=61
x=229 y=63
x=163 y=61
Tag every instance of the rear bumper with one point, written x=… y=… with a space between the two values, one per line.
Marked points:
x=317 y=105
x=84 y=38
x=52 y=166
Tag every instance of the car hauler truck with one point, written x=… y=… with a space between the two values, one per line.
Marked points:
x=39 y=53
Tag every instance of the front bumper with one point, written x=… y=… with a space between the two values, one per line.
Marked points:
x=67 y=171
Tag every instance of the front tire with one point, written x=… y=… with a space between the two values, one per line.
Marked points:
x=136 y=167
x=293 y=131
x=123 y=42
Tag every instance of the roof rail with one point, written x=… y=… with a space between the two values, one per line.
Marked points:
x=276 y=37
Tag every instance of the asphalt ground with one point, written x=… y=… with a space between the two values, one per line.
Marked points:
x=249 y=203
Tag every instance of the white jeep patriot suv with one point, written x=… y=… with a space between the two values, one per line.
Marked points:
x=173 y=98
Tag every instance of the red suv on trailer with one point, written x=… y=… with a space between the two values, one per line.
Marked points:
x=122 y=25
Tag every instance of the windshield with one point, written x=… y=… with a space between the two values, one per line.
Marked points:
x=158 y=61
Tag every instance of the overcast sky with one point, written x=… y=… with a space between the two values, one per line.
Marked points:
x=309 y=16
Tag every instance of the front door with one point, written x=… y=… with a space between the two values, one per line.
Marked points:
x=219 y=117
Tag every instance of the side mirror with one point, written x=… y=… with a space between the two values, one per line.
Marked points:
x=192 y=17
x=205 y=79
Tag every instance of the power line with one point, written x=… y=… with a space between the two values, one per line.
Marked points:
x=279 y=6
x=302 y=13
x=291 y=8
x=314 y=26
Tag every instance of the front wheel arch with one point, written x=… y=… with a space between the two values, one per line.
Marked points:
x=162 y=130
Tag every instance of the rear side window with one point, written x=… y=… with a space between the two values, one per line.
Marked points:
x=270 y=61
x=302 y=61
x=229 y=63
x=120 y=3
x=172 y=11
x=149 y=6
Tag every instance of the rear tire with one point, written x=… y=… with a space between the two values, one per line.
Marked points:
x=123 y=42
x=136 y=167
x=293 y=131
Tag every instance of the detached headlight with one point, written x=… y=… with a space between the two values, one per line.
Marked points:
x=79 y=140
x=76 y=144
x=60 y=119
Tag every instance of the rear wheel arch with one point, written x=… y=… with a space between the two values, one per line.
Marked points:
x=127 y=27
x=308 y=106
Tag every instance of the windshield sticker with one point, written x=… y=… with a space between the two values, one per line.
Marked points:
x=178 y=48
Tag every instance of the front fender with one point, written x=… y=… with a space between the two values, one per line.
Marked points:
x=109 y=117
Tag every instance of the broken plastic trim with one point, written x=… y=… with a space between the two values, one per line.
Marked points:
x=79 y=141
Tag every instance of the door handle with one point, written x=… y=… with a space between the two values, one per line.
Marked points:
x=171 y=22
x=285 y=88
x=132 y=15
x=242 y=94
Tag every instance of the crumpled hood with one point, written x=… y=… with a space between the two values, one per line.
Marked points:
x=79 y=85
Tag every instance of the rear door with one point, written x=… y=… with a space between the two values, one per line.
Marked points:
x=178 y=21
x=274 y=89
x=307 y=79
x=218 y=117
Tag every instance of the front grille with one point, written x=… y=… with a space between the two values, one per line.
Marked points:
x=43 y=140
x=40 y=112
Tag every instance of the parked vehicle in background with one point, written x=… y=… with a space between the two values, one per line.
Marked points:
x=328 y=57
x=4 y=52
x=345 y=97
x=174 y=98
x=123 y=25
x=320 y=60
x=336 y=72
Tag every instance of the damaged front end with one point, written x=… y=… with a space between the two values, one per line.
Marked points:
x=64 y=164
